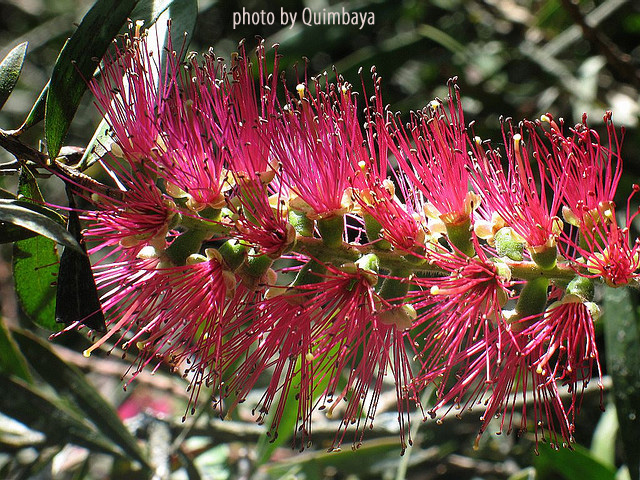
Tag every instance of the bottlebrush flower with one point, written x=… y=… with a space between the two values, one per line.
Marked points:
x=458 y=312
x=262 y=220
x=557 y=347
x=312 y=145
x=400 y=225
x=228 y=99
x=150 y=305
x=432 y=153
x=214 y=165
x=589 y=170
x=135 y=215
x=313 y=334
x=515 y=195
x=605 y=247
x=130 y=95
x=386 y=217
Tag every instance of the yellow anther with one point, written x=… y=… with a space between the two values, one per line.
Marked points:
x=139 y=25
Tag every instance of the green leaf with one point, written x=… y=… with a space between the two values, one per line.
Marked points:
x=10 y=69
x=35 y=270
x=571 y=464
x=76 y=63
x=98 y=146
x=36 y=114
x=38 y=411
x=35 y=267
x=10 y=233
x=12 y=362
x=183 y=15
x=70 y=383
x=28 y=215
x=622 y=343
x=603 y=443
x=77 y=297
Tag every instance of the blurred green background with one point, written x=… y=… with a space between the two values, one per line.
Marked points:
x=513 y=58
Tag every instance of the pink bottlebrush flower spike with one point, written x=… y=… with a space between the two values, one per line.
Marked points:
x=589 y=170
x=432 y=152
x=517 y=196
x=312 y=144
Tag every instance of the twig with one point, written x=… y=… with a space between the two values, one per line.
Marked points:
x=9 y=140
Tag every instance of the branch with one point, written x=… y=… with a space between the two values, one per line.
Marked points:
x=619 y=60
x=24 y=154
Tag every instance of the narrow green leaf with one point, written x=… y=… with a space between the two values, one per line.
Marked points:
x=622 y=343
x=348 y=462
x=603 y=443
x=76 y=64
x=12 y=362
x=27 y=215
x=38 y=411
x=98 y=146
x=571 y=464
x=70 y=383
x=10 y=69
x=35 y=270
x=10 y=233
x=35 y=267
x=36 y=114
x=77 y=297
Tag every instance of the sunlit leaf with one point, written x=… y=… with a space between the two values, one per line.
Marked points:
x=36 y=114
x=10 y=69
x=366 y=458
x=35 y=267
x=603 y=444
x=571 y=464
x=286 y=428
x=28 y=215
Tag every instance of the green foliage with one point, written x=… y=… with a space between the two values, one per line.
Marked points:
x=571 y=464
x=62 y=424
x=35 y=260
x=623 y=363
x=35 y=218
x=10 y=69
x=12 y=361
x=71 y=384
